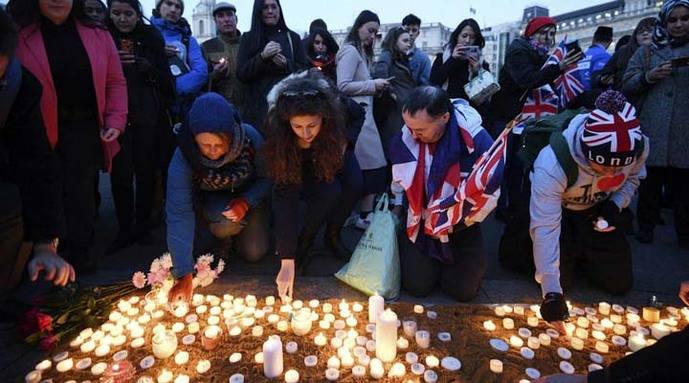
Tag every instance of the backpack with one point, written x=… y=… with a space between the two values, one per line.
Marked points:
x=538 y=134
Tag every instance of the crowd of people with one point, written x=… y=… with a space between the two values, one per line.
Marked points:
x=262 y=138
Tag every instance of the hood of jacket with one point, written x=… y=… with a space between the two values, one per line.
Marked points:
x=169 y=29
x=280 y=87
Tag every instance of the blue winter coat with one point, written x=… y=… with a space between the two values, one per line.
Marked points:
x=594 y=60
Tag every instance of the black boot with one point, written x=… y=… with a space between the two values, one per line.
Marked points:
x=303 y=256
x=334 y=243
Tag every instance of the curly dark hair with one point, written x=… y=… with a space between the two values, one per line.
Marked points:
x=27 y=12
x=304 y=96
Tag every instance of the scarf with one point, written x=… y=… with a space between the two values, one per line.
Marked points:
x=661 y=37
x=541 y=48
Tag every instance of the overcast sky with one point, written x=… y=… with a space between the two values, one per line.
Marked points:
x=340 y=14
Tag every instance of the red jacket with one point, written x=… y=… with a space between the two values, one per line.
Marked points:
x=108 y=79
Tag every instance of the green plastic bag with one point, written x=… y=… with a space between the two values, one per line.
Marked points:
x=375 y=264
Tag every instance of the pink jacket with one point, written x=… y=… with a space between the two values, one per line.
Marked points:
x=108 y=79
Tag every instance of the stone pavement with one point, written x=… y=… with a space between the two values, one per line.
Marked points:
x=658 y=269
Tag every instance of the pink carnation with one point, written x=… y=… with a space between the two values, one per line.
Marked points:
x=139 y=280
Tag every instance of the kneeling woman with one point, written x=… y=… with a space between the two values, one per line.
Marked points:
x=215 y=175
x=305 y=151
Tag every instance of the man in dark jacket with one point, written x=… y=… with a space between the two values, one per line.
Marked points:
x=30 y=207
x=268 y=53
x=221 y=54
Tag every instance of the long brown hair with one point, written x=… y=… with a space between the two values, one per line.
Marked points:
x=304 y=96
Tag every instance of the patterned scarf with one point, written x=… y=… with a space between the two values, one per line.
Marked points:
x=541 y=48
x=661 y=38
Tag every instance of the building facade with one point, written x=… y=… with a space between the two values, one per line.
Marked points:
x=621 y=15
x=202 y=23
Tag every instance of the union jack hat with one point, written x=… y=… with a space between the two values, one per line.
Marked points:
x=612 y=134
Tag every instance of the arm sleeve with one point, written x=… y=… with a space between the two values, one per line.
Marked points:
x=665 y=361
x=440 y=71
x=425 y=70
x=546 y=215
x=347 y=63
x=160 y=70
x=285 y=206
x=623 y=196
x=634 y=80
x=249 y=68
x=115 y=89
x=521 y=68
x=300 y=59
x=381 y=68
x=259 y=189
x=192 y=82
x=181 y=219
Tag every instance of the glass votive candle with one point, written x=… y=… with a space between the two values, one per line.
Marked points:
x=211 y=338
x=496 y=366
x=508 y=323
x=423 y=338
x=409 y=327
x=164 y=344
x=651 y=314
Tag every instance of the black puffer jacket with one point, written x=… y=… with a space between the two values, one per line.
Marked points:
x=523 y=71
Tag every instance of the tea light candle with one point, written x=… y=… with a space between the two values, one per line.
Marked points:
x=181 y=310
x=423 y=338
x=336 y=342
x=371 y=345
x=44 y=365
x=102 y=350
x=33 y=377
x=327 y=307
x=137 y=343
x=201 y=309
x=257 y=331
x=211 y=337
x=88 y=346
x=320 y=340
x=500 y=311
x=598 y=335
x=214 y=320
x=402 y=343
x=123 y=305
x=179 y=327
x=273 y=318
x=164 y=344
x=397 y=370
x=496 y=366
x=533 y=342
x=193 y=327
x=301 y=323
x=291 y=376
x=659 y=330
x=604 y=308
x=577 y=343
x=324 y=324
x=489 y=325
x=418 y=309
x=359 y=371
x=651 y=314
x=339 y=324
x=332 y=374
x=532 y=321
x=508 y=323
x=311 y=361
x=607 y=323
x=409 y=327
x=636 y=342
x=235 y=331
x=333 y=362
x=181 y=358
x=602 y=347
x=351 y=321
x=272 y=357
x=357 y=307
x=386 y=336
x=582 y=322
x=376 y=368
x=98 y=368
x=544 y=339
x=282 y=326
x=581 y=333
x=519 y=310
x=181 y=378
x=291 y=347
x=143 y=319
x=65 y=365
x=203 y=366
x=619 y=329
x=165 y=376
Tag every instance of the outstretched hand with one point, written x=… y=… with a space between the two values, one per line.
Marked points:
x=182 y=290
x=57 y=270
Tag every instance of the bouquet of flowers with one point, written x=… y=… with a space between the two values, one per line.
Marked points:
x=160 y=274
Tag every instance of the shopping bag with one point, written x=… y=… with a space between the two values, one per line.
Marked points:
x=375 y=264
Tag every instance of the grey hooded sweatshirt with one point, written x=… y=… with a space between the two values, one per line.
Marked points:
x=550 y=194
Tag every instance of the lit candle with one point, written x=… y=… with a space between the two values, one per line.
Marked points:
x=180 y=310
x=423 y=339
x=44 y=365
x=500 y=311
x=508 y=323
x=532 y=321
x=582 y=322
x=301 y=323
x=357 y=307
x=581 y=333
x=651 y=314
x=409 y=327
x=201 y=309
x=65 y=365
x=33 y=377
x=291 y=376
x=333 y=362
x=211 y=337
x=519 y=310
x=203 y=366
x=636 y=342
x=432 y=361
x=320 y=340
x=339 y=324
x=282 y=326
x=272 y=357
x=193 y=327
x=165 y=376
x=327 y=307
x=619 y=329
x=533 y=342
x=602 y=347
x=544 y=339
x=102 y=350
x=291 y=347
x=235 y=331
x=332 y=374
x=164 y=344
x=336 y=342
x=376 y=368
x=273 y=318
x=489 y=325
x=402 y=343
x=659 y=330
x=386 y=336
x=182 y=357
x=88 y=346
x=351 y=321
x=311 y=361
x=397 y=370
x=418 y=309
x=604 y=308
x=257 y=331
x=496 y=366
x=516 y=341
x=376 y=306
x=359 y=371
x=577 y=343
x=324 y=324
x=179 y=327
x=98 y=368
x=138 y=342
x=181 y=378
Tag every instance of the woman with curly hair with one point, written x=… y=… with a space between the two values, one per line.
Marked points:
x=305 y=151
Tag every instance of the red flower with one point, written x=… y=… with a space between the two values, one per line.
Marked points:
x=44 y=321
x=49 y=342
x=29 y=324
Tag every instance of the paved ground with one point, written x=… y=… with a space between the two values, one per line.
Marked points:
x=658 y=270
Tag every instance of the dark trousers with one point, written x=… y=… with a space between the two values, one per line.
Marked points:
x=460 y=280
x=650 y=196
x=352 y=182
x=136 y=160
x=13 y=255
x=605 y=258
x=251 y=235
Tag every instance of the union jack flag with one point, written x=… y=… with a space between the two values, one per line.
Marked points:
x=570 y=84
x=621 y=130
x=541 y=102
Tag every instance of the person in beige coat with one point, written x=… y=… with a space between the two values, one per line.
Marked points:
x=354 y=80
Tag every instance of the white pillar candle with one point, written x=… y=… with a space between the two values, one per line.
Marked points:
x=423 y=339
x=291 y=376
x=376 y=306
x=164 y=344
x=409 y=327
x=577 y=343
x=386 y=336
x=272 y=357
x=496 y=366
x=376 y=368
x=301 y=323
x=604 y=308
x=508 y=323
x=602 y=347
x=489 y=325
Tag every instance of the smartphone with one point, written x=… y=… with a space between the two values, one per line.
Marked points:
x=679 y=62
x=472 y=51
x=573 y=47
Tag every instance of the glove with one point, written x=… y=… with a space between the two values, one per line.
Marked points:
x=609 y=211
x=554 y=308
x=236 y=209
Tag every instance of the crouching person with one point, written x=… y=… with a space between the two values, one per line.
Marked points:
x=580 y=224
x=217 y=176
x=432 y=155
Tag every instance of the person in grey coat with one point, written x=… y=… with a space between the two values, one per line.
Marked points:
x=663 y=94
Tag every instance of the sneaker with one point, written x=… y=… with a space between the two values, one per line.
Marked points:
x=644 y=236
x=363 y=223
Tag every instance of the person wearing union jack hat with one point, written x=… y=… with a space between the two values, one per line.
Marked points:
x=580 y=185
